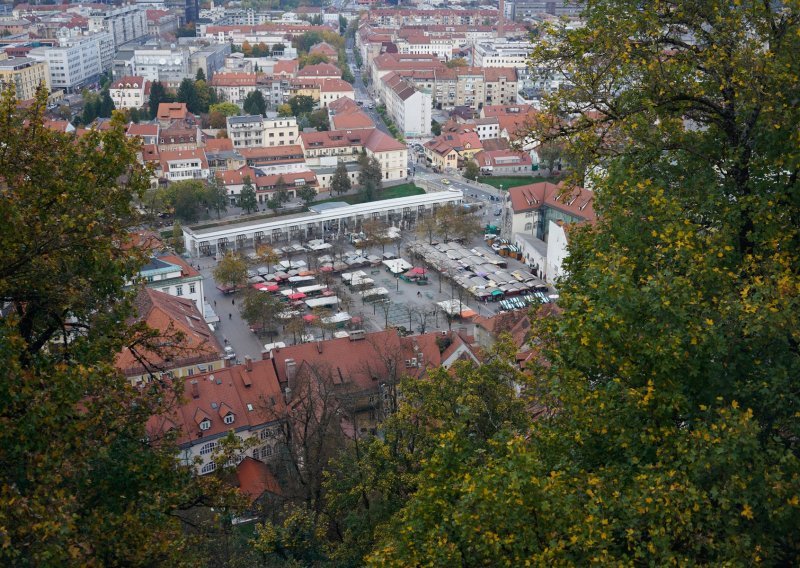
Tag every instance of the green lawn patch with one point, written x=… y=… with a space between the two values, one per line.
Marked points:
x=508 y=182
x=402 y=190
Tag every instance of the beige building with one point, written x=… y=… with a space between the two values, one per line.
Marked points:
x=24 y=74
x=254 y=131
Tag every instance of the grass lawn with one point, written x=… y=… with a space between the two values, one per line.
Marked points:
x=403 y=190
x=508 y=182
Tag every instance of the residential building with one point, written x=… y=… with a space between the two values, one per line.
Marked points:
x=445 y=151
x=243 y=399
x=266 y=183
x=209 y=58
x=125 y=23
x=345 y=114
x=255 y=131
x=529 y=209
x=77 y=62
x=502 y=53
x=198 y=352
x=184 y=134
x=221 y=156
x=130 y=92
x=391 y=154
x=320 y=71
x=285 y=68
x=161 y=22
x=170 y=112
x=522 y=10
x=172 y=275
x=325 y=49
x=147 y=132
x=234 y=87
x=275 y=159
x=177 y=165
x=408 y=107
x=331 y=90
x=504 y=162
x=24 y=75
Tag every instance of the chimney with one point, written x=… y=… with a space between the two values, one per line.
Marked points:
x=266 y=355
x=248 y=363
x=195 y=389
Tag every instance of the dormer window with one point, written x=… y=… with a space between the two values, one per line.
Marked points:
x=228 y=418
x=205 y=424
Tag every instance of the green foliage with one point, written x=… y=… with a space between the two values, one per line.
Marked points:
x=201 y=75
x=225 y=109
x=319 y=120
x=285 y=110
x=301 y=104
x=217 y=196
x=231 y=271
x=297 y=541
x=187 y=93
x=186 y=197
x=471 y=170
x=340 y=182
x=370 y=178
x=254 y=103
x=84 y=481
x=177 y=237
x=456 y=62
x=307 y=194
x=436 y=128
x=158 y=95
x=187 y=30
x=261 y=310
x=247 y=196
x=312 y=59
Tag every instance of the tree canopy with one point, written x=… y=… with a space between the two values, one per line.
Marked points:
x=254 y=103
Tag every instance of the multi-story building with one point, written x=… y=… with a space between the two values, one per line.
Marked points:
x=177 y=165
x=24 y=75
x=169 y=66
x=408 y=107
x=327 y=148
x=234 y=87
x=209 y=58
x=502 y=53
x=199 y=351
x=77 y=61
x=331 y=90
x=172 y=275
x=125 y=23
x=160 y=22
x=129 y=92
x=184 y=134
x=257 y=131
x=529 y=9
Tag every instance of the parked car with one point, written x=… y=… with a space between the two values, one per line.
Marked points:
x=446 y=181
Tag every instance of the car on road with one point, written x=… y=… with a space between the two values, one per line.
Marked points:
x=446 y=181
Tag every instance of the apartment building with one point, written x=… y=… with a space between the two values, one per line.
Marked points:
x=77 y=61
x=24 y=75
x=124 y=24
x=129 y=92
x=177 y=165
x=170 y=65
x=502 y=53
x=328 y=148
x=255 y=131
x=234 y=87
x=409 y=107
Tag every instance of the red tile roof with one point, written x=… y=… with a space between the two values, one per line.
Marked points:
x=129 y=82
x=169 y=314
x=234 y=80
x=320 y=70
x=219 y=144
x=576 y=201
x=172 y=111
x=254 y=397
x=502 y=158
x=380 y=142
x=142 y=129
x=285 y=67
x=168 y=156
x=256 y=478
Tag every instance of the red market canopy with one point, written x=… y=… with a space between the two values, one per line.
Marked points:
x=308 y=318
x=261 y=286
x=273 y=288
x=297 y=296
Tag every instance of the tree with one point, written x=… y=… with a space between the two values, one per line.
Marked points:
x=201 y=75
x=637 y=455
x=277 y=48
x=254 y=103
x=260 y=310
x=285 y=110
x=177 y=237
x=185 y=198
x=158 y=95
x=471 y=170
x=266 y=254
x=106 y=104
x=436 y=128
x=206 y=96
x=247 y=196
x=312 y=59
x=225 y=109
x=301 y=104
x=375 y=231
x=83 y=484
x=342 y=24
x=340 y=182
x=307 y=194
x=217 y=195
x=456 y=62
x=319 y=120
x=550 y=153
x=274 y=204
x=231 y=271
x=370 y=177
x=187 y=93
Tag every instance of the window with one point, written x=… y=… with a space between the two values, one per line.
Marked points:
x=208 y=468
x=228 y=418
x=266 y=451
x=179 y=290
x=256 y=453
x=208 y=448
x=205 y=424
x=191 y=288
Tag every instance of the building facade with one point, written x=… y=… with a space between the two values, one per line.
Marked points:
x=24 y=75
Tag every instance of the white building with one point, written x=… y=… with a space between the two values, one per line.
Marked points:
x=255 y=131
x=169 y=66
x=409 y=107
x=172 y=275
x=129 y=92
x=177 y=165
x=77 y=61
x=125 y=23
x=501 y=53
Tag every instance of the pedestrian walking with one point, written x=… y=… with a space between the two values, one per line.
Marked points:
x=230 y=316
x=215 y=303
x=233 y=302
